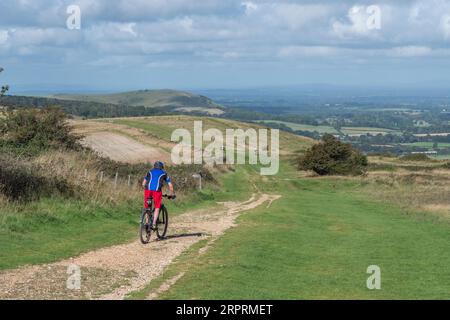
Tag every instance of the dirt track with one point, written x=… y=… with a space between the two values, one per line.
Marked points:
x=114 y=272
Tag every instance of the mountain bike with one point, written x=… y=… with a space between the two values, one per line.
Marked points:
x=147 y=218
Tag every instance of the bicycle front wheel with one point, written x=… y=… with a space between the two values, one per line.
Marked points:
x=163 y=223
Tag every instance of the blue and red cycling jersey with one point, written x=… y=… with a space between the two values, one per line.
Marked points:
x=155 y=179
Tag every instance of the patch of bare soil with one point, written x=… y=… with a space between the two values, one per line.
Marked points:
x=114 y=272
x=123 y=149
x=96 y=132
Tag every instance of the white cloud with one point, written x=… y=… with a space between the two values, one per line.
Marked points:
x=3 y=37
x=445 y=26
x=359 y=23
x=410 y=51
x=309 y=51
x=294 y=16
x=250 y=7
x=158 y=31
x=128 y=28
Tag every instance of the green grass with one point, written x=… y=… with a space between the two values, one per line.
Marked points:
x=53 y=229
x=159 y=131
x=316 y=243
x=440 y=157
x=428 y=145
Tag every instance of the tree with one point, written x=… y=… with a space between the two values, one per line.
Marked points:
x=332 y=156
x=5 y=87
x=435 y=146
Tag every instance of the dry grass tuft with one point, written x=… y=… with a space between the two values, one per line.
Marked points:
x=427 y=189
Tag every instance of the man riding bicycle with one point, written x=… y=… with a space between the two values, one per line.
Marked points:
x=153 y=183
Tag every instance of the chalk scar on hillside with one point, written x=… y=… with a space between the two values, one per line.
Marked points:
x=121 y=148
x=114 y=272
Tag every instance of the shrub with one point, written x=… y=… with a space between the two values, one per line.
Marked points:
x=34 y=130
x=446 y=165
x=4 y=88
x=332 y=156
x=20 y=181
x=416 y=157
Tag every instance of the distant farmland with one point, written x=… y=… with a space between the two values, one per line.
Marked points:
x=358 y=131
x=351 y=131
x=428 y=145
x=303 y=127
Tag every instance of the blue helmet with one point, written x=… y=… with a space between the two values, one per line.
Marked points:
x=158 y=165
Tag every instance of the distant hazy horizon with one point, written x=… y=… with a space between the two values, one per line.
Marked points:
x=278 y=90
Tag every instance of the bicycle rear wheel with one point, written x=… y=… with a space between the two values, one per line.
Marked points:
x=144 y=228
x=163 y=222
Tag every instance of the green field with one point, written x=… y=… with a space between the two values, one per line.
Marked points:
x=428 y=145
x=366 y=130
x=440 y=157
x=303 y=127
x=316 y=242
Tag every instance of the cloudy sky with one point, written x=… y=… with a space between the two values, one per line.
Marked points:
x=131 y=44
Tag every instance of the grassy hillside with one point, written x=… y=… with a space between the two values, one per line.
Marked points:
x=162 y=127
x=65 y=226
x=147 y=98
x=316 y=242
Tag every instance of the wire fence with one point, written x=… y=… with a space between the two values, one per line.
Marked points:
x=127 y=180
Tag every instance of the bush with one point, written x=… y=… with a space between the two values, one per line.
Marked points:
x=34 y=130
x=332 y=156
x=416 y=157
x=446 y=165
x=22 y=182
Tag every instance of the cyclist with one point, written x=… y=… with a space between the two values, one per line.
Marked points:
x=153 y=183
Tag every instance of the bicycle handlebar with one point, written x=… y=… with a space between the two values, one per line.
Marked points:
x=169 y=196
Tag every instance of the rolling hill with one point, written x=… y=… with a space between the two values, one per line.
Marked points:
x=130 y=104
x=150 y=99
